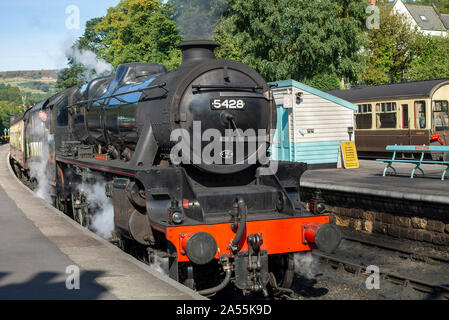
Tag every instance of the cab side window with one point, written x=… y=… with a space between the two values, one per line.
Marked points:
x=63 y=113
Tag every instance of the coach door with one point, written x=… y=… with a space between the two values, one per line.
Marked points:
x=440 y=119
x=406 y=122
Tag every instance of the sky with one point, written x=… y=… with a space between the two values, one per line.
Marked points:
x=34 y=33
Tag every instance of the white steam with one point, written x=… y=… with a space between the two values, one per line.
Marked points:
x=101 y=209
x=39 y=162
x=197 y=19
x=161 y=265
x=89 y=60
x=95 y=67
x=306 y=265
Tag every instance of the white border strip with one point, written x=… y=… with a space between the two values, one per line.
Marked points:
x=379 y=193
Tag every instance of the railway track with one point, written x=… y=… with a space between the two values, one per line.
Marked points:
x=401 y=279
x=412 y=254
x=404 y=281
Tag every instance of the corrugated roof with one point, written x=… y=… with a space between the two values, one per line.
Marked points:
x=415 y=89
x=445 y=19
x=432 y=19
x=309 y=89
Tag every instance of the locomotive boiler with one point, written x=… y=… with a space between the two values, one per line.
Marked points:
x=184 y=157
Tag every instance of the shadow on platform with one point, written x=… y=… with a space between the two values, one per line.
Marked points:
x=43 y=287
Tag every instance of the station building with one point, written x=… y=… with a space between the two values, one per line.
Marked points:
x=311 y=124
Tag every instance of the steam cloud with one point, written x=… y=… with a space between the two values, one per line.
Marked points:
x=95 y=67
x=101 y=207
x=306 y=265
x=89 y=60
x=38 y=167
x=160 y=265
x=196 y=19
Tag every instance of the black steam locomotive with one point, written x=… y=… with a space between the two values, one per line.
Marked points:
x=144 y=131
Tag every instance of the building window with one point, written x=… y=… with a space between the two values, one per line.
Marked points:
x=386 y=115
x=363 y=116
x=440 y=115
x=424 y=18
x=420 y=115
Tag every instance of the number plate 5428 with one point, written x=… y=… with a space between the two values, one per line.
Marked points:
x=227 y=104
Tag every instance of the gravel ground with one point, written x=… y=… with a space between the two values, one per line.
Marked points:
x=317 y=279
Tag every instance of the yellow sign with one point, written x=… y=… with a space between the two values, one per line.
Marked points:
x=350 y=159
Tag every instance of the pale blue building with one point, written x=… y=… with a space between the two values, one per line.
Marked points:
x=311 y=124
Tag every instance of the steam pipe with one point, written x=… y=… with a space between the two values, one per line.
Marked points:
x=221 y=286
x=243 y=212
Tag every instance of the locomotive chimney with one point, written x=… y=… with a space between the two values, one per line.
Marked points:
x=197 y=50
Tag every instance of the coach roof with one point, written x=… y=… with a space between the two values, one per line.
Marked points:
x=415 y=89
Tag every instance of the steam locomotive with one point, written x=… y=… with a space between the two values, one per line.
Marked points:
x=235 y=219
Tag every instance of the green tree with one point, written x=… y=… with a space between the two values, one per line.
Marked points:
x=432 y=60
x=92 y=39
x=71 y=76
x=75 y=73
x=11 y=94
x=324 y=82
x=138 y=30
x=134 y=30
x=300 y=39
x=390 y=50
x=7 y=110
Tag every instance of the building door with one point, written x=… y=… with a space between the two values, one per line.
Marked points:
x=282 y=142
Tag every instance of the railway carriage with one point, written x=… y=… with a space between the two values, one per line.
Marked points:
x=411 y=113
x=17 y=141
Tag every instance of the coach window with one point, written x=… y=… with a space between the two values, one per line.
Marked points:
x=363 y=116
x=420 y=115
x=440 y=115
x=386 y=115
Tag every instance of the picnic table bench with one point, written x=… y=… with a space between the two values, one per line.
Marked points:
x=415 y=149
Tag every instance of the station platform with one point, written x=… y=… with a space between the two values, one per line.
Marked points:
x=368 y=180
x=39 y=243
x=398 y=206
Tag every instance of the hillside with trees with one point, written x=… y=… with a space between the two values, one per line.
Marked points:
x=35 y=85
x=19 y=86
x=30 y=74
x=10 y=102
